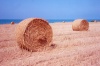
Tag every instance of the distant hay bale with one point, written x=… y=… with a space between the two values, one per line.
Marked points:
x=80 y=25
x=12 y=23
x=34 y=34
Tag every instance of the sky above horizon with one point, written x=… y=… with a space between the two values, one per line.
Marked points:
x=50 y=9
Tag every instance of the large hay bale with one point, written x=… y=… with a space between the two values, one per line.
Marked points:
x=34 y=34
x=80 y=25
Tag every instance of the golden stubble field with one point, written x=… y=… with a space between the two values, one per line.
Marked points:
x=72 y=48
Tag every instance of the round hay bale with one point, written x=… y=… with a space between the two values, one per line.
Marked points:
x=34 y=34
x=12 y=23
x=80 y=25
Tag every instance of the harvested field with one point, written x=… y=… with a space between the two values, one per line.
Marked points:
x=71 y=48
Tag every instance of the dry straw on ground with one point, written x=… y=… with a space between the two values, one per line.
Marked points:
x=34 y=34
x=80 y=25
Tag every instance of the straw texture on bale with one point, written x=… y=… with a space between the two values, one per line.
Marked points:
x=34 y=34
x=80 y=25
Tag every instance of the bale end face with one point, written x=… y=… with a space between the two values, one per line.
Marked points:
x=80 y=25
x=34 y=34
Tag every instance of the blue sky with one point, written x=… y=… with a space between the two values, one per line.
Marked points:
x=50 y=9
